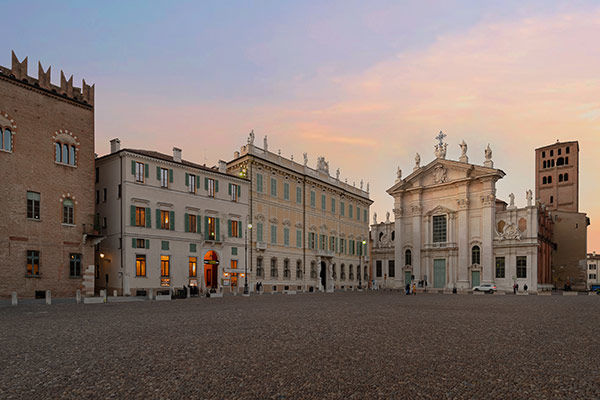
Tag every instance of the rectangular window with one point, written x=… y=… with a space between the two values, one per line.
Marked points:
x=212 y=228
x=286 y=236
x=104 y=195
x=391 y=268
x=165 y=222
x=33 y=263
x=192 y=247
x=286 y=191
x=140 y=265
x=33 y=205
x=331 y=243
x=357 y=213
x=312 y=199
x=342 y=208
x=500 y=267
x=521 y=266
x=139 y=172
x=140 y=216
x=97 y=174
x=323 y=202
x=311 y=240
x=342 y=246
x=350 y=211
x=165 y=266
x=193 y=266
x=164 y=245
x=235 y=229
x=322 y=242
x=439 y=228
x=234 y=251
x=234 y=192
x=234 y=264
x=75 y=265
x=273 y=187
x=332 y=205
x=68 y=217
x=192 y=223
x=273 y=234
x=378 y=268
x=352 y=244
x=259 y=183
x=192 y=183
x=298 y=195
x=259 y=232
x=298 y=238
x=592 y=276
x=119 y=191
x=140 y=243
x=164 y=177
x=210 y=187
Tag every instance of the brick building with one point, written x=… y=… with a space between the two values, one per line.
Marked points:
x=47 y=191
x=557 y=189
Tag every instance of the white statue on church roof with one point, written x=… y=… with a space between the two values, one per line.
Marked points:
x=265 y=144
x=529 y=197
x=374 y=218
x=417 y=162
x=398 y=174
x=337 y=174
x=251 y=137
x=488 y=157
x=463 y=156
x=305 y=159
x=440 y=149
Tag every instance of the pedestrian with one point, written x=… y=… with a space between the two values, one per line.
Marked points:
x=407 y=288
x=514 y=288
x=517 y=288
x=414 y=288
x=525 y=287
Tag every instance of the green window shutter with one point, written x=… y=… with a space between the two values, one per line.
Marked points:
x=286 y=191
x=133 y=243
x=187 y=179
x=364 y=215
x=170 y=176
x=197 y=181
x=240 y=231
x=358 y=213
x=198 y=224
x=259 y=232
x=158 y=173
x=312 y=199
x=147 y=244
x=206 y=233
x=332 y=205
x=299 y=195
x=218 y=229
x=216 y=185
x=322 y=202
x=132 y=216
x=164 y=245
x=205 y=183
x=132 y=167
x=239 y=191
x=229 y=226
x=186 y=222
x=157 y=218
x=192 y=247
x=148 y=218
x=336 y=244
x=172 y=220
x=259 y=183
x=229 y=189
x=147 y=170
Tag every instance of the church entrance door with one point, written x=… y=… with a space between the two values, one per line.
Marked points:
x=439 y=273
x=475 y=278
x=407 y=275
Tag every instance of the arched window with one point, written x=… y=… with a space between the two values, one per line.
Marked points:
x=560 y=177
x=65 y=150
x=544 y=163
x=68 y=212
x=549 y=179
x=407 y=257
x=6 y=139
x=566 y=177
x=475 y=255
x=544 y=180
x=366 y=277
x=551 y=199
x=560 y=161
x=566 y=160
x=286 y=268
x=553 y=163
x=380 y=236
x=351 y=272
x=343 y=272
x=298 y=269
x=273 y=267
x=393 y=235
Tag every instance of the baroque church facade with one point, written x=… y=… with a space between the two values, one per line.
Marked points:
x=451 y=231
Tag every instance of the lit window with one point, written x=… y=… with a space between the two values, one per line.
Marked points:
x=33 y=263
x=439 y=228
x=192 y=223
x=140 y=265
x=68 y=217
x=164 y=220
x=165 y=266
x=193 y=265
x=212 y=228
x=235 y=229
x=234 y=264
x=140 y=216
x=33 y=205
x=75 y=265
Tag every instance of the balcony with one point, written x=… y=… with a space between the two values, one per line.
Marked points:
x=441 y=245
x=261 y=245
x=324 y=253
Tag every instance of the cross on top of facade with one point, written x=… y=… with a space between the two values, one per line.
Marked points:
x=441 y=137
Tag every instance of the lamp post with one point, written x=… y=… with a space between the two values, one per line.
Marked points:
x=360 y=265
x=246 y=291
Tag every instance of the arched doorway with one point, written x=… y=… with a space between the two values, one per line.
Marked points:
x=324 y=275
x=211 y=269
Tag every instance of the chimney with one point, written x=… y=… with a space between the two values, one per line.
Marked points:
x=115 y=145
x=176 y=154
x=222 y=166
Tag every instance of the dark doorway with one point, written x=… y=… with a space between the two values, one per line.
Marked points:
x=324 y=275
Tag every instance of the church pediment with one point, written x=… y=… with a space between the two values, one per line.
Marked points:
x=441 y=172
x=440 y=210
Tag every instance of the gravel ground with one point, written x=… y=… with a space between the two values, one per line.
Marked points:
x=333 y=346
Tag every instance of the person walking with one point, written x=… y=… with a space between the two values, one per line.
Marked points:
x=414 y=289
x=514 y=288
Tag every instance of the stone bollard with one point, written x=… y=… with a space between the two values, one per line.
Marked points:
x=114 y=293
x=78 y=296
x=13 y=299
x=48 y=297
x=150 y=295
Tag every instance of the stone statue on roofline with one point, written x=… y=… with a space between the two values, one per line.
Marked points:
x=374 y=218
x=529 y=197
x=488 y=157
x=251 y=137
x=305 y=159
x=441 y=148
x=337 y=174
x=511 y=200
x=463 y=150
x=417 y=162
x=265 y=144
x=398 y=175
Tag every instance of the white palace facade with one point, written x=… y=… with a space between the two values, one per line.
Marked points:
x=451 y=231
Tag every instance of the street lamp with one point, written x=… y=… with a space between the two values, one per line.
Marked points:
x=360 y=265
x=246 y=291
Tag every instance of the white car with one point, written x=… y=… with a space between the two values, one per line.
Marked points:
x=485 y=288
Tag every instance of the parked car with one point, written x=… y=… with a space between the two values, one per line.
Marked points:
x=485 y=288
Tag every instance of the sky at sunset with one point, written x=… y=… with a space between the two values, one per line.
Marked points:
x=365 y=84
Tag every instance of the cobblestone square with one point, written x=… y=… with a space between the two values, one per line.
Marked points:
x=338 y=346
